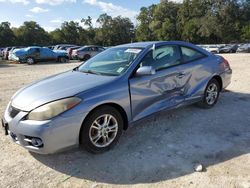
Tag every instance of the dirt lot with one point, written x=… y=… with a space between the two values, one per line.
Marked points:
x=160 y=151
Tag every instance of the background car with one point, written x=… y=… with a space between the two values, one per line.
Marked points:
x=13 y=49
x=86 y=52
x=245 y=48
x=1 y=52
x=6 y=53
x=230 y=48
x=213 y=49
x=60 y=46
x=50 y=47
x=70 y=50
x=35 y=54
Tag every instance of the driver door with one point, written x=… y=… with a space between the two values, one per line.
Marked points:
x=152 y=93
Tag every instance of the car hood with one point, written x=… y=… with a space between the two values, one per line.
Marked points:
x=56 y=87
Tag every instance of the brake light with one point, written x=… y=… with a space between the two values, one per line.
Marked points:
x=226 y=63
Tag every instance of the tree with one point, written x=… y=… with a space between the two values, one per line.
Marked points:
x=246 y=33
x=143 y=31
x=113 y=31
x=7 y=37
x=71 y=32
x=31 y=33
x=197 y=21
x=88 y=36
x=164 y=22
x=57 y=36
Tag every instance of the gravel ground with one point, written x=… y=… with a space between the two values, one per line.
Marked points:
x=160 y=151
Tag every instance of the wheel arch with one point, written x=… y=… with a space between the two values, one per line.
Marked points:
x=114 y=105
x=219 y=80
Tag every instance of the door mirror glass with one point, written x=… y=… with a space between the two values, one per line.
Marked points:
x=145 y=70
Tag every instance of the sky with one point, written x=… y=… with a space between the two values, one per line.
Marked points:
x=51 y=13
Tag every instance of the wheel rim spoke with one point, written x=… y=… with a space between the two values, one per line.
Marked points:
x=212 y=94
x=96 y=138
x=107 y=119
x=103 y=130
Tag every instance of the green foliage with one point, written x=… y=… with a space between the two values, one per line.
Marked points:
x=197 y=21
x=113 y=31
x=7 y=36
x=31 y=33
x=144 y=32
x=246 y=33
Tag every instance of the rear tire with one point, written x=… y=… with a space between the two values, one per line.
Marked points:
x=86 y=57
x=101 y=130
x=63 y=60
x=211 y=94
x=30 y=61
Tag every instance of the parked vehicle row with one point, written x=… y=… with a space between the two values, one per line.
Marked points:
x=245 y=48
x=60 y=53
x=227 y=48
x=65 y=52
x=78 y=52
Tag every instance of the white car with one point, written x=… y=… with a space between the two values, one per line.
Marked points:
x=213 y=49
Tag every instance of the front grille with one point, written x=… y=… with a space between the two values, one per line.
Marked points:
x=13 y=111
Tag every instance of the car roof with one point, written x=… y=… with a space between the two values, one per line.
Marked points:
x=93 y=46
x=150 y=43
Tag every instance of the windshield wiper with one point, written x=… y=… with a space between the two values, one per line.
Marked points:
x=91 y=72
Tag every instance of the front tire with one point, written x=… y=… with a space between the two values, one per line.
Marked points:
x=211 y=94
x=101 y=130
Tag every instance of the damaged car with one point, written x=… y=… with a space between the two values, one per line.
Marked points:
x=95 y=102
x=35 y=54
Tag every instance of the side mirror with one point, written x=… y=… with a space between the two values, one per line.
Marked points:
x=145 y=70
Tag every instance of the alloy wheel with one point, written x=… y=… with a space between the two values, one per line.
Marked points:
x=211 y=94
x=103 y=130
x=30 y=61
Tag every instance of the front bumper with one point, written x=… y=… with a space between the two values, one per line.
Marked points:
x=57 y=134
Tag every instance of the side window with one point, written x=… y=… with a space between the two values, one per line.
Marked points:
x=100 y=49
x=37 y=50
x=189 y=54
x=162 y=57
x=32 y=50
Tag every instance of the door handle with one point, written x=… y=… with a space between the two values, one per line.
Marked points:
x=180 y=75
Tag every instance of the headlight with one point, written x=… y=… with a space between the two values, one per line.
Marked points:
x=53 y=109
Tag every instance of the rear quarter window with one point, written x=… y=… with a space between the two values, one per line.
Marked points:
x=189 y=54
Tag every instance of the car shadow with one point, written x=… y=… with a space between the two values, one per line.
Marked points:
x=5 y=65
x=165 y=146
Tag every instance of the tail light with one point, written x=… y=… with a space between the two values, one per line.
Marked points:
x=226 y=63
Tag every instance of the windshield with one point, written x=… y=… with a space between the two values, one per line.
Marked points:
x=113 y=61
